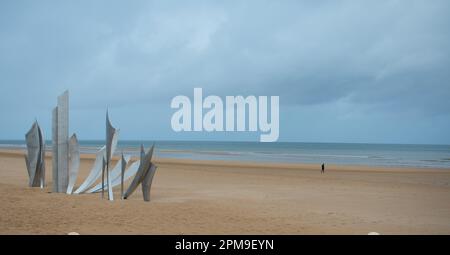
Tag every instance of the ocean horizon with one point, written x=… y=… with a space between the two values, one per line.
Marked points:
x=369 y=154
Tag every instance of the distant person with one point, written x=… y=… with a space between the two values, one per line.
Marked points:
x=323 y=168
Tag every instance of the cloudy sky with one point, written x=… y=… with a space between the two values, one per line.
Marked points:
x=345 y=71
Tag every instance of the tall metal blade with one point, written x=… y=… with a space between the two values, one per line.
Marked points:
x=95 y=172
x=63 y=141
x=142 y=171
x=74 y=152
x=33 y=156
x=55 y=149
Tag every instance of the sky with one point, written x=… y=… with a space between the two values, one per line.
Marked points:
x=345 y=71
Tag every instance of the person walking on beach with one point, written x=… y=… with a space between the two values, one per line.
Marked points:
x=323 y=168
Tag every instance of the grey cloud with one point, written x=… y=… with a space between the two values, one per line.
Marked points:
x=379 y=56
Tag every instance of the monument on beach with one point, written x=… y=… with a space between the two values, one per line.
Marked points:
x=95 y=172
x=62 y=152
x=144 y=175
x=112 y=136
x=74 y=159
x=35 y=157
x=66 y=160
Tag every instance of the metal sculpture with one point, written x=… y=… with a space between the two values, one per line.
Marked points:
x=67 y=152
x=55 y=149
x=35 y=157
x=63 y=141
x=129 y=172
x=60 y=136
x=95 y=172
x=112 y=136
x=115 y=173
x=64 y=152
x=74 y=152
x=147 y=182
x=143 y=176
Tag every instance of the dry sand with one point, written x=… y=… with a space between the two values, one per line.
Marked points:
x=214 y=197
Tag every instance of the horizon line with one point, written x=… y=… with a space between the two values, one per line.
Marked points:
x=234 y=141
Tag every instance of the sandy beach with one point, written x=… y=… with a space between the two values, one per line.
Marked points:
x=217 y=197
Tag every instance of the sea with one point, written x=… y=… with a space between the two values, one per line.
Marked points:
x=389 y=155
